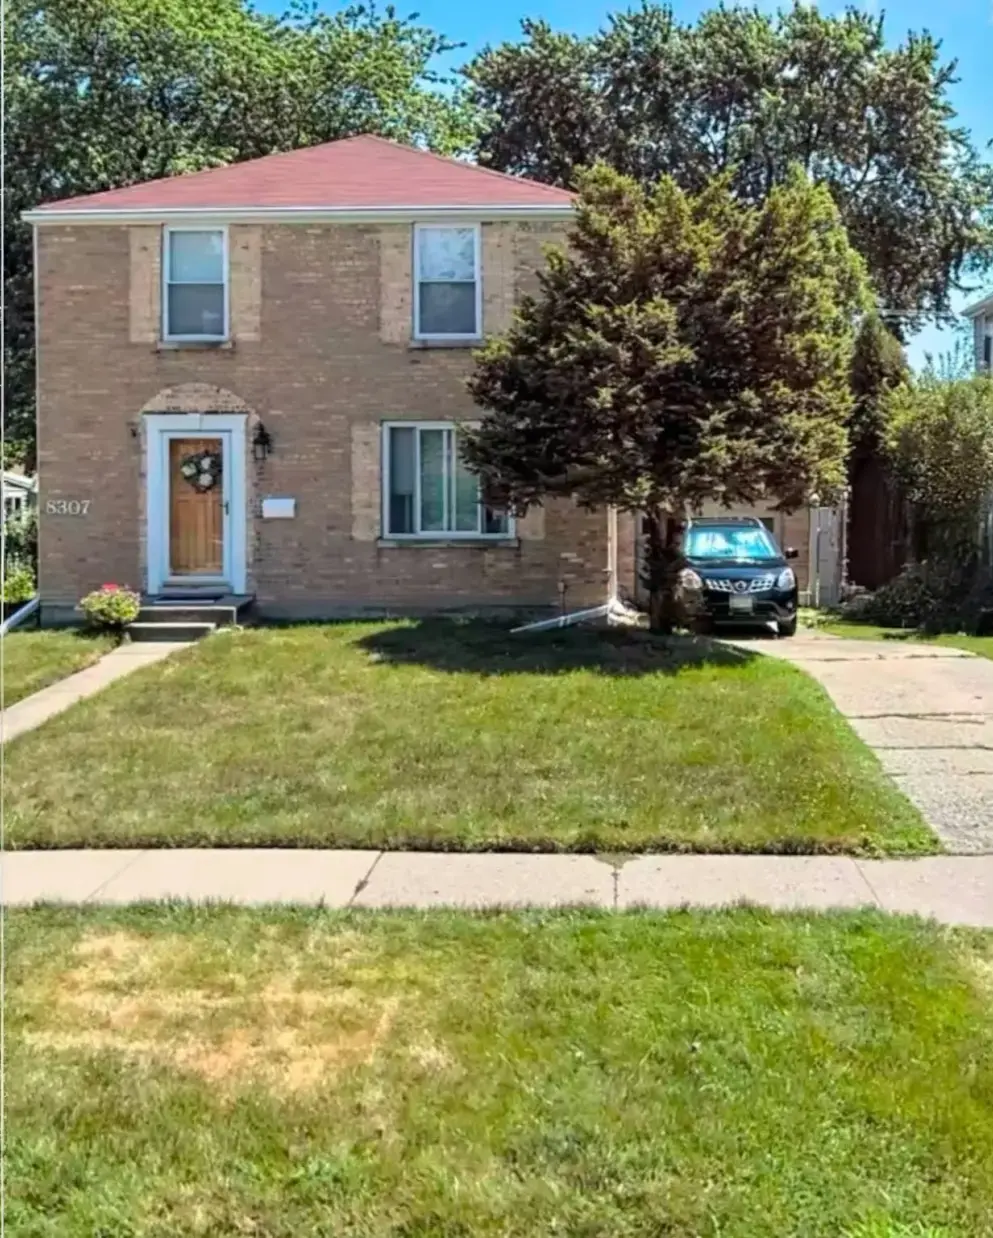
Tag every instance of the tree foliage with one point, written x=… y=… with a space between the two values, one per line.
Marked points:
x=754 y=94
x=879 y=365
x=101 y=94
x=684 y=348
x=940 y=437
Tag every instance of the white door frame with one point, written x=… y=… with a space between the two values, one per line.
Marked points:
x=159 y=429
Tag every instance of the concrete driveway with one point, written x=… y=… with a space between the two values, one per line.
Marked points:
x=927 y=713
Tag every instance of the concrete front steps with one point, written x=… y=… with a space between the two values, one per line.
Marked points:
x=188 y=616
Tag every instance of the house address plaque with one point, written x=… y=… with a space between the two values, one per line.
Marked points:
x=67 y=507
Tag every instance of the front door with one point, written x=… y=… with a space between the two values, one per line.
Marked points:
x=197 y=507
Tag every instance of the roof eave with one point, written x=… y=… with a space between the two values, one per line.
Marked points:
x=980 y=307
x=293 y=214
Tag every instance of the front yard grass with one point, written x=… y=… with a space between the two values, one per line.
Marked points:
x=457 y=736
x=980 y=645
x=176 y=1072
x=33 y=660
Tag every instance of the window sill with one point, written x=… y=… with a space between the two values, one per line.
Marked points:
x=475 y=342
x=195 y=345
x=450 y=543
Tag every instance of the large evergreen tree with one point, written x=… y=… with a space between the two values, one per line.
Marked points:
x=684 y=348
x=754 y=94
x=104 y=93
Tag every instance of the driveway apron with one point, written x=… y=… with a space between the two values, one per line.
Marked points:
x=926 y=711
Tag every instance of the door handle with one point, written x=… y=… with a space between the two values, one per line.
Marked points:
x=227 y=507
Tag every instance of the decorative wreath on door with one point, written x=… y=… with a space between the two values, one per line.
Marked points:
x=202 y=470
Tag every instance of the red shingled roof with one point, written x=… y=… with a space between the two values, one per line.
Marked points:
x=351 y=174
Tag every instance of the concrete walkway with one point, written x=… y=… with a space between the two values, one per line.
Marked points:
x=926 y=711
x=36 y=709
x=952 y=889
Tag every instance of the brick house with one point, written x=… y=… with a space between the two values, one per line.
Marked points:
x=250 y=379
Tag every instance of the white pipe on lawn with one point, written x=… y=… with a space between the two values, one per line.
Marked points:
x=18 y=616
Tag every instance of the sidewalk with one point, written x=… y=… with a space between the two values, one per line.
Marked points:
x=952 y=889
x=38 y=708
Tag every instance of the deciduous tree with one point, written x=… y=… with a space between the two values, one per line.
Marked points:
x=754 y=94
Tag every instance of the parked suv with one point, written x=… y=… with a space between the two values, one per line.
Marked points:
x=738 y=574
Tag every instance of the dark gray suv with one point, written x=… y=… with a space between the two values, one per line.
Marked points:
x=738 y=574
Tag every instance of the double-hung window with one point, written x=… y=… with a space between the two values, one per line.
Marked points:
x=195 y=284
x=428 y=491
x=447 y=285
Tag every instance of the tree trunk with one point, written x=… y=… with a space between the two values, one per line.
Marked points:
x=663 y=562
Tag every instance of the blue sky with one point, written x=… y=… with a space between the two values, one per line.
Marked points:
x=964 y=26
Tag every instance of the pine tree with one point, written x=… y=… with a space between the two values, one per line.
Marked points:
x=683 y=348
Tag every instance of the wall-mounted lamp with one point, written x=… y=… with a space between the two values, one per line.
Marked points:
x=133 y=426
x=261 y=442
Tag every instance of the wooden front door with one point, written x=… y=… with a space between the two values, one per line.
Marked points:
x=196 y=506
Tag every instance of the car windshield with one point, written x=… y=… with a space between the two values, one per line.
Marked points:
x=730 y=542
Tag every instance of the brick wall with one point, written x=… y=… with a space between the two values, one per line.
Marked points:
x=322 y=354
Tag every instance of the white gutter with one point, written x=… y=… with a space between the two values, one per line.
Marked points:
x=289 y=214
x=19 y=616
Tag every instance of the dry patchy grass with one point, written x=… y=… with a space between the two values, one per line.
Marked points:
x=217 y=1073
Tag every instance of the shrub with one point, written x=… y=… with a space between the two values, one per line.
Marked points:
x=18 y=585
x=111 y=607
x=931 y=596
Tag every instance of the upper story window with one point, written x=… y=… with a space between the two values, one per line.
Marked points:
x=427 y=489
x=195 y=284
x=446 y=283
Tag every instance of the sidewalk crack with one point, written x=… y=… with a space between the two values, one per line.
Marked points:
x=362 y=882
x=113 y=876
x=869 y=886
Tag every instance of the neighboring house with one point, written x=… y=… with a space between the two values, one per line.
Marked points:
x=19 y=493
x=251 y=378
x=981 y=316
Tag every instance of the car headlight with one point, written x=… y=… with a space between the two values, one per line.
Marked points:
x=690 y=579
x=786 y=579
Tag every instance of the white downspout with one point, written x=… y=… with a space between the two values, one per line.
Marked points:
x=612 y=608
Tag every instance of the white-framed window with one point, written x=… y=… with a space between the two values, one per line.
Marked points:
x=447 y=286
x=427 y=489
x=195 y=284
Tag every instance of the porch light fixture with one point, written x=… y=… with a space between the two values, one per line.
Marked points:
x=261 y=443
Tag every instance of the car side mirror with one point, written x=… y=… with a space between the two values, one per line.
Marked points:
x=791 y=552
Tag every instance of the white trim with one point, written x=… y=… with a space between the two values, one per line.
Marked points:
x=429 y=535
x=477 y=245
x=980 y=307
x=166 y=263
x=215 y=216
x=159 y=428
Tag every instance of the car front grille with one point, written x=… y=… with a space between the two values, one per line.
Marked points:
x=760 y=584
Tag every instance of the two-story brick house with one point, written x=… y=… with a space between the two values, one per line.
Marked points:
x=250 y=379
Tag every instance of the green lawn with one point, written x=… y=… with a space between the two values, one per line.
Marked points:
x=174 y=1072
x=459 y=736
x=981 y=645
x=33 y=660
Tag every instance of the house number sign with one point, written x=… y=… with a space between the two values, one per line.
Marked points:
x=67 y=507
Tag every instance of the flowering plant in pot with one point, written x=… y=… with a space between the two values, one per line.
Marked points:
x=111 y=607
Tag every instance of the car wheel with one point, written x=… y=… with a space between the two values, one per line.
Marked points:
x=787 y=627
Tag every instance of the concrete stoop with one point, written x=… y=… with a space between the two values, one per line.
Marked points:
x=176 y=617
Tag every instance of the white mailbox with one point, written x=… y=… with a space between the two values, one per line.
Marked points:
x=278 y=509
